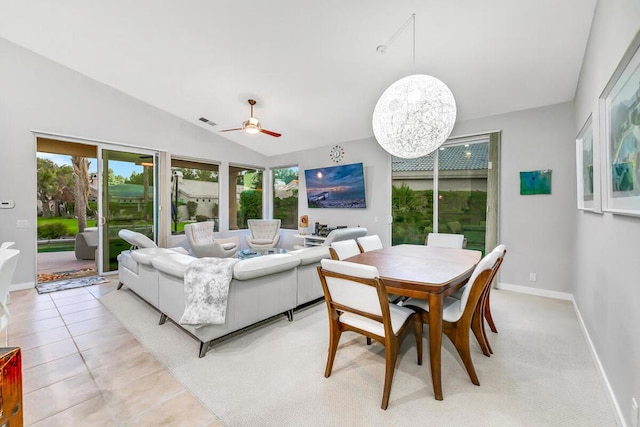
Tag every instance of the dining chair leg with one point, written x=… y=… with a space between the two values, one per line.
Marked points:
x=460 y=341
x=487 y=315
x=334 y=339
x=478 y=332
x=391 y=355
x=418 y=333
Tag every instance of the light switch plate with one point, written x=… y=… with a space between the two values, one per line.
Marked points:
x=22 y=223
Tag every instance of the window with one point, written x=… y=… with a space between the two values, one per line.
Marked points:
x=194 y=194
x=245 y=197
x=285 y=196
x=459 y=173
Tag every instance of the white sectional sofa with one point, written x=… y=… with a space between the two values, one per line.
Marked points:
x=261 y=287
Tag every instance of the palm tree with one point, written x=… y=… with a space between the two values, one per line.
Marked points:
x=81 y=171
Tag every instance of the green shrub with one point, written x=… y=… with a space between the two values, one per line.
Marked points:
x=54 y=230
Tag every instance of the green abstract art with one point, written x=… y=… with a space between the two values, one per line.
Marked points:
x=535 y=182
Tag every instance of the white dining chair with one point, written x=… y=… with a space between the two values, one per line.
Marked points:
x=369 y=243
x=457 y=314
x=445 y=240
x=344 y=249
x=357 y=301
x=8 y=261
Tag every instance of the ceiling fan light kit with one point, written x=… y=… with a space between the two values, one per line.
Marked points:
x=252 y=126
x=416 y=114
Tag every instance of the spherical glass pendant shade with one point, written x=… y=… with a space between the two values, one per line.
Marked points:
x=414 y=116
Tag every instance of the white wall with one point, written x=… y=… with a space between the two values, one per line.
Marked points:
x=606 y=285
x=377 y=171
x=38 y=94
x=537 y=230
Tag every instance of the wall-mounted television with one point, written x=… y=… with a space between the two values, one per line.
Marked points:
x=336 y=187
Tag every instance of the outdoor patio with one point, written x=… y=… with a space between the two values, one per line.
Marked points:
x=50 y=263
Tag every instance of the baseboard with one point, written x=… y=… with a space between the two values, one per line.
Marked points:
x=22 y=286
x=569 y=297
x=603 y=376
x=536 y=291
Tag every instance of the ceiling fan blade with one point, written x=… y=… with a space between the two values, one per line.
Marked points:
x=228 y=130
x=268 y=132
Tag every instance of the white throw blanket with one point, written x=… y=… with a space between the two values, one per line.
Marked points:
x=206 y=288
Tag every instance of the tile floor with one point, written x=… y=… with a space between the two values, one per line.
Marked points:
x=81 y=367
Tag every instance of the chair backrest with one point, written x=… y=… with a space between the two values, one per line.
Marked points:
x=8 y=261
x=345 y=234
x=7 y=245
x=344 y=249
x=199 y=233
x=135 y=239
x=486 y=263
x=501 y=250
x=445 y=240
x=353 y=287
x=263 y=228
x=369 y=243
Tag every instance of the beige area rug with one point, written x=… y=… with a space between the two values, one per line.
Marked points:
x=540 y=375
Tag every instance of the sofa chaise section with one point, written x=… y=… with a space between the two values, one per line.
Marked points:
x=261 y=288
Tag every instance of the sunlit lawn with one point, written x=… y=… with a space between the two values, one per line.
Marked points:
x=70 y=223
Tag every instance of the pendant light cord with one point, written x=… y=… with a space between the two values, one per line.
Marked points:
x=412 y=20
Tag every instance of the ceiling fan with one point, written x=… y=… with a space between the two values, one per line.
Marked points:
x=252 y=125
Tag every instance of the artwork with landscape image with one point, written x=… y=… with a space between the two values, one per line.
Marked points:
x=535 y=182
x=587 y=166
x=624 y=135
x=336 y=187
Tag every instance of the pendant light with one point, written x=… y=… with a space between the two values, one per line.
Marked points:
x=416 y=114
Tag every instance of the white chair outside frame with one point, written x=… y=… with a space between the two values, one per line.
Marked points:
x=8 y=261
x=7 y=245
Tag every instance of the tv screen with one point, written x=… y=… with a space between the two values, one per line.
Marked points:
x=336 y=186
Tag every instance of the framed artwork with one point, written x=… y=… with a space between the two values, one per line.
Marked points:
x=585 y=166
x=620 y=108
x=535 y=182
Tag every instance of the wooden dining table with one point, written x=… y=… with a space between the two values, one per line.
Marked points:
x=428 y=273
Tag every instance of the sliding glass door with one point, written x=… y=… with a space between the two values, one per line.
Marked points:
x=448 y=191
x=128 y=199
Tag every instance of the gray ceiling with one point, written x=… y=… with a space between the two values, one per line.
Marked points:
x=312 y=66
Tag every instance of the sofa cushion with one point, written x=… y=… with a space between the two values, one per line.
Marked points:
x=263 y=265
x=145 y=255
x=311 y=255
x=261 y=241
x=136 y=239
x=173 y=264
x=124 y=258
